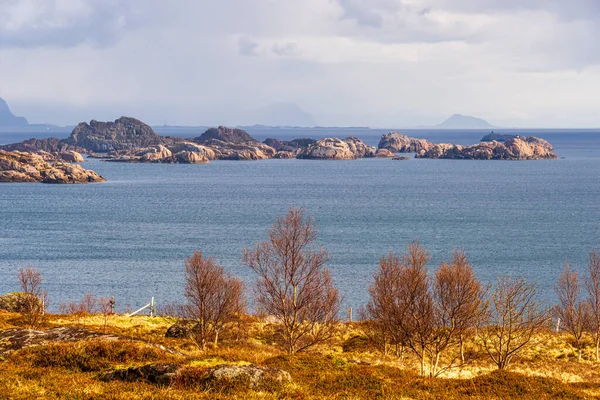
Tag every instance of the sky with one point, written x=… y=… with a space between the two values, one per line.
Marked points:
x=378 y=63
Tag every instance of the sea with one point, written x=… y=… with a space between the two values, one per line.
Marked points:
x=129 y=237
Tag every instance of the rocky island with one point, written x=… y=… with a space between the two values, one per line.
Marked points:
x=27 y=167
x=519 y=148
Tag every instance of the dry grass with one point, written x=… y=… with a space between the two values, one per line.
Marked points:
x=347 y=368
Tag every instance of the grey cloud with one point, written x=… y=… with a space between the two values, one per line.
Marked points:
x=285 y=49
x=36 y=23
x=247 y=47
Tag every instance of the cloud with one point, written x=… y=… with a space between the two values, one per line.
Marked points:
x=348 y=62
x=67 y=23
x=247 y=47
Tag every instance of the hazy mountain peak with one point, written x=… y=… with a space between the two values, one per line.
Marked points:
x=459 y=121
x=7 y=118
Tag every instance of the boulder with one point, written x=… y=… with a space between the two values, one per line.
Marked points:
x=384 y=153
x=71 y=156
x=207 y=152
x=158 y=374
x=233 y=151
x=14 y=302
x=189 y=157
x=156 y=154
x=180 y=330
x=399 y=143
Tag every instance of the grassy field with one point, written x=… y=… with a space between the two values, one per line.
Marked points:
x=347 y=368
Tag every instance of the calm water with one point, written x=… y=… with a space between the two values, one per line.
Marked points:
x=128 y=237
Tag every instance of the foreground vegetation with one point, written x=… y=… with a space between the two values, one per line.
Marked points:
x=349 y=366
x=421 y=335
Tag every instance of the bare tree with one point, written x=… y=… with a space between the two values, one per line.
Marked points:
x=214 y=298
x=512 y=317
x=106 y=308
x=382 y=313
x=34 y=300
x=402 y=303
x=459 y=302
x=573 y=313
x=592 y=286
x=293 y=284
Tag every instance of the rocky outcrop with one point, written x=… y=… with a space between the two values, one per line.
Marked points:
x=15 y=302
x=384 y=153
x=178 y=153
x=158 y=374
x=71 y=156
x=289 y=146
x=350 y=148
x=360 y=149
x=234 y=144
x=498 y=137
x=123 y=133
x=180 y=329
x=16 y=339
x=27 y=167
x=399 y=143
x=225 y=134
x=520 y=148
x=49 y=145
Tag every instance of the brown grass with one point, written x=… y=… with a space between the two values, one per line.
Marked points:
x=348 y=368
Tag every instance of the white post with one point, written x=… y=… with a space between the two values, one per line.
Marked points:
x=557 y=325
x=152 y=311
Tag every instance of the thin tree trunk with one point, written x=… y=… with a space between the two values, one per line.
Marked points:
x=423 y=363
x=597 y=347
x=462 y=349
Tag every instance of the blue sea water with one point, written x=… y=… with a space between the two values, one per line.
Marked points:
x=129 y=237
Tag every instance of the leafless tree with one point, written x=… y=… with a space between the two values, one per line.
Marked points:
x=106 y=308
x=572 y=313
x=382 y=314
x=402 y=305
x=35 y=299
x=214 y=298
x=293 y=284
x=512 y=317
x=592 y=286
x=459 y=299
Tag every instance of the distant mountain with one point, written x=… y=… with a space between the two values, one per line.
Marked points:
x=458 y=121
x=7 y=119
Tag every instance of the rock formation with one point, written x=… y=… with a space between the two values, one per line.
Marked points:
x=499 y=137
x=123 y=133
x=399 y=143
x=178 y=153
x=384 y=153
x=289 y=146
x=225 y=134
x=350 y=148
x=50 y=145
x=519 y=148
x=234 y=144
x=26 y=167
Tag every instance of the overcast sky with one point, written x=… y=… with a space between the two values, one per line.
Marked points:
x=381 y=63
